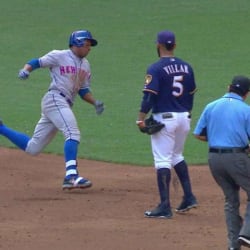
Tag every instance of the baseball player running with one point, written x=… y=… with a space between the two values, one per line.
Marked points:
x=70 y=75
x=168 y=91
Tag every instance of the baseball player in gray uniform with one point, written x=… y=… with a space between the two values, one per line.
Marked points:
x=70 y=75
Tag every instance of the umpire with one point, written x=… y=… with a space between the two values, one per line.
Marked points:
x=225 y=125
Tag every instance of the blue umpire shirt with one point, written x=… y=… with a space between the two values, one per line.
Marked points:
x=227 y=122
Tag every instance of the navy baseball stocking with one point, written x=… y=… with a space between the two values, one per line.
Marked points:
x=163 y=180
x=181 y=170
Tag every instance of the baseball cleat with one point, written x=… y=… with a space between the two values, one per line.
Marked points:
x=1 y=122
x=186 y=205
x=159 y=212
x=244 y=241
x=76 y=182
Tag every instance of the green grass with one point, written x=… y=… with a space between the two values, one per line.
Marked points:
x=212 y=35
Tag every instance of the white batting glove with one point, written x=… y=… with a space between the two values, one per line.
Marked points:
x=23 y=74
x=99 y=107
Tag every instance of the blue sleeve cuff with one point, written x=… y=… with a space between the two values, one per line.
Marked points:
x=34 y=63
x=83 y=92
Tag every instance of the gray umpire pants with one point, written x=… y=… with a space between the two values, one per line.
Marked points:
x=231 y=171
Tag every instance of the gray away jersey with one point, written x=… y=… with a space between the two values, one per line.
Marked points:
x=64 y=68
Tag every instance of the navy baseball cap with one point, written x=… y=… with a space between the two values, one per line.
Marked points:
x=166 y=37
x=240 y=85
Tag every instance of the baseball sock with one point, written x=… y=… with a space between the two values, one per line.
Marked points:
x=181 y=170
x=70 y=154
x=163 y=180
x=19 y=139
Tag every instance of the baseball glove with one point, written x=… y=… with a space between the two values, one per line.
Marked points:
x=151 y=126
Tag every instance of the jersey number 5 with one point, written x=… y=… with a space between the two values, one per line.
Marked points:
x=177 y=84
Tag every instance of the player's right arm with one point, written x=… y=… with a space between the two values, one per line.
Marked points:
x=146 y=105
x=150 y=91
x=48 y=60
x=28 y=67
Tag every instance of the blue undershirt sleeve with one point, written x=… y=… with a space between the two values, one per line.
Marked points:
x=34 y=63
x=83 y=92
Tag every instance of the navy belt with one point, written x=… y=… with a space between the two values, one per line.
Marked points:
x=63 y=95
x=68 y=100
x=227 y=150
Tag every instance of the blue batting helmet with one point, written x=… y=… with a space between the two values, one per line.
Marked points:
x=77 y=38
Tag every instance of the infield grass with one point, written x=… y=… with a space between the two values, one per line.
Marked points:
x=213 y=36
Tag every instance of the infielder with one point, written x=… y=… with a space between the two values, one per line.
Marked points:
x=225 y=125
x=168 y=91
x=70 y=75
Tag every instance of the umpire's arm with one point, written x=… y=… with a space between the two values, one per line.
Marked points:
x=202 y=135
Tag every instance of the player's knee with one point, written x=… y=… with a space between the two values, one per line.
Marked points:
x=33 y=148
x=32 y=151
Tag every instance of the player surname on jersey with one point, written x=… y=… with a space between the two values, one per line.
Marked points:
x=176 y=68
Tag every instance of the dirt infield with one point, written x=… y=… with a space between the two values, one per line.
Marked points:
x=35 y=214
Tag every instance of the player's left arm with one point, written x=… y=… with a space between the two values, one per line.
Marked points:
x=193 y=88
x=88 y=97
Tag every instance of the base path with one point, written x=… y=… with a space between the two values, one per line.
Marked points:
x=35 y=214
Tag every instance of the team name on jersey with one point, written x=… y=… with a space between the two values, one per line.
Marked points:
x=176 y=68
x=68 y=70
